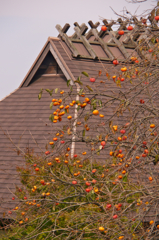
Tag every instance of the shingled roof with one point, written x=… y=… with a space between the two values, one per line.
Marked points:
x=24 y=121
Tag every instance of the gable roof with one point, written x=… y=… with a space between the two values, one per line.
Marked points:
x=24 y=119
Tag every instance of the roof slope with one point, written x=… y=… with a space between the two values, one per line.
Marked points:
x=24 y=121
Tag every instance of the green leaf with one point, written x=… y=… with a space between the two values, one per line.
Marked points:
x=93 y=101
x=98 y=153
x=83 y=134
x=94 y=106
x=51 y=117
x=85 y=73
x=40 y=94
x=78 y=108
x=51 y=105
x=79 y=81
x=90 y=89
x=156 y=159
x=68 y=83
x=100 y=103
x=56 y=90
x=125 y=178
x=71 y=88
x=49 y=91
x=153 y=40
x=81 y=91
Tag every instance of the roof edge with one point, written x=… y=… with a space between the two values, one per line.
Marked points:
x=9 y=94
x=32 y=66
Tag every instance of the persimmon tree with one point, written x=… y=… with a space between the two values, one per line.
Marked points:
x=108 y=188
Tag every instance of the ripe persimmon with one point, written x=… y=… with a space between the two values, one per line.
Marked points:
x=104 y=28
x=95 y=112
x=86 y=99
x=121 y=32
x=115 y=62
x=124 y=69
x=150 y=178
x=130 y=28
x=101 y=229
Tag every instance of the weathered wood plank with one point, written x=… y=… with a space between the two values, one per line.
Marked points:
x=92 y=25
x=65 y=28
x=83 y=29
x=108 y=25
x=67 y=41
x=89 y=34
x=108 y=44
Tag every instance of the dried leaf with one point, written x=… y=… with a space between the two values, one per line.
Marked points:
x=107 y=75
x=51 y=105
x=99 y=73
x=56 y=90
x=106 y=138
x=100 y=137
x=110 y=124
x=69 y=131
x=89 y=88
x=86 y=118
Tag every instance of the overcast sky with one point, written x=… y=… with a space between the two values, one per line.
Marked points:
x=25 y=26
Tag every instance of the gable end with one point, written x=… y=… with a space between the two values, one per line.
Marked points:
x=49 y=61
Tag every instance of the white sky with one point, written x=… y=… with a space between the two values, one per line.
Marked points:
x=25 y=26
